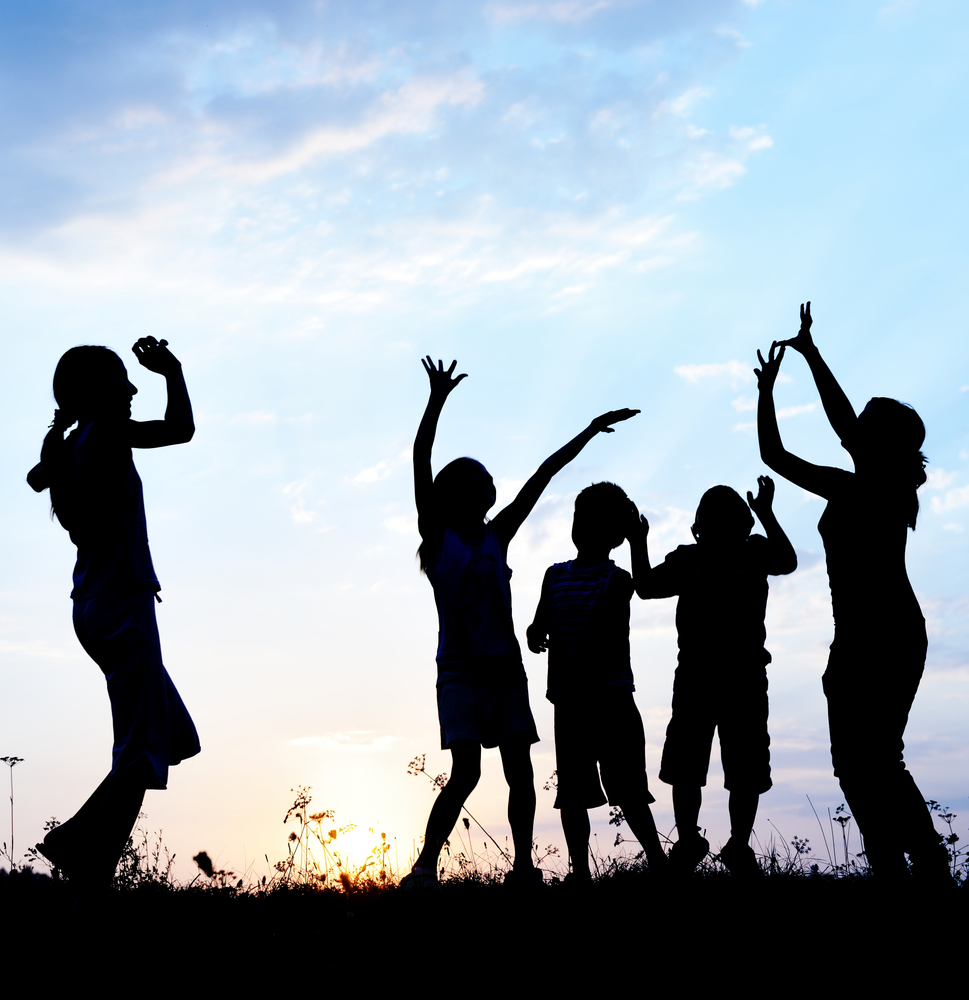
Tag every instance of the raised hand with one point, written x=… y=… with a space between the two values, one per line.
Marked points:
x=767 y=373
x=602 y=424
x=155 y=355
x=803 y=341
x=441 y=381
x=637 y=527
x=761 y=504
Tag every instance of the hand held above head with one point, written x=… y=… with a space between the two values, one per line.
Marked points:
x=762 y=503
x=637 y=527
x=803 y=342
x=441 y=381
x=155 y=356
x=602 y=423
x=767 y=373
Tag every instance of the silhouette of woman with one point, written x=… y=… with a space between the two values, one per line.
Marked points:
x=482 y=691
x=96 y=495
x=879 y=646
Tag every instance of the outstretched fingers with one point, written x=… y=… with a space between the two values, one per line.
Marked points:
x=441 y=380
x=765 y=494
x=767 y=373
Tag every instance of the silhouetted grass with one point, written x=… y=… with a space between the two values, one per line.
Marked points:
x=779 y=932
x=804 y=924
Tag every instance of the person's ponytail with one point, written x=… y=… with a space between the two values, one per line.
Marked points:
x=78 y=379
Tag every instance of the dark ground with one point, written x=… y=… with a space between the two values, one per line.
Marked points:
x=785 y=934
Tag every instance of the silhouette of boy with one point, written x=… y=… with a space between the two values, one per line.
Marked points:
x=582 y=620
x=721 y=677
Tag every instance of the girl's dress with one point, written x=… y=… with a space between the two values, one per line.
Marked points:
x=114 y=606
x=482 y=690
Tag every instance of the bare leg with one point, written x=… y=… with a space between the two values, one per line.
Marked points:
x=640 y=819
x=686 y=810
x=516 y=762
x=465 y=772
x=576 y=827
x=743 y=810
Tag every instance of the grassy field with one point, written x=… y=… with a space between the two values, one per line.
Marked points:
x=795 y=929
x=814 y=921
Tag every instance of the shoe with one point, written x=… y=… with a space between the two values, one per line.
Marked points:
x=687 y=853
x=524 y=879
x=575 y=883
x=740 y=860
x=931 y=866
x=63 y=853
x=419 y=878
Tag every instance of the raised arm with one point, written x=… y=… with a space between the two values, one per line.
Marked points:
x=781 y=557
x=178 y=427
x=507 y=522
x=441 y=385
x=839 y=411
x=818 y=479
x=650 y=581
x=637 y=532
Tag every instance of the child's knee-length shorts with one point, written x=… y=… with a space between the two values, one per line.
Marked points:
x=599 y=742
x=732 y=700
x=118 y=631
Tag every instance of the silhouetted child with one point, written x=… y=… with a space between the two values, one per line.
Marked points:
x=482 y=692
x=96 y=494
x=721 y=677
x=583 y=621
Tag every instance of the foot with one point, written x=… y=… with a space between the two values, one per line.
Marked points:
x=420 y=878
x=931 y=866
x=64 y=853
x=577 y=882
x=524 y=879
x=740 y=860
x=687 y=853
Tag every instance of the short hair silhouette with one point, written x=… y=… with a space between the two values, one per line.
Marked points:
x=607 y=507
x=722 y=506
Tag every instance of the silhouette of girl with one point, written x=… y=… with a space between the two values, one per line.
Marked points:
x=482 y=692
x=96 y=495
x=879 y=647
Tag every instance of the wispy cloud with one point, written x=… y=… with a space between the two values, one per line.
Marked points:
x=939 y=479
x=408 y=109
x=952 y=499
x=795 y=411
x=382 y=470
x=562 y=11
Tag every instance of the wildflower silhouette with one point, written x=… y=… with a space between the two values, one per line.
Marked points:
x=11 y=762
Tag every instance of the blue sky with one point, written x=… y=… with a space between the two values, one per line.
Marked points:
x=589 y=205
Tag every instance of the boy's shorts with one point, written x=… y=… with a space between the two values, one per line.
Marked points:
x=603 y=728
x=732 y=700
x=484 y=701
